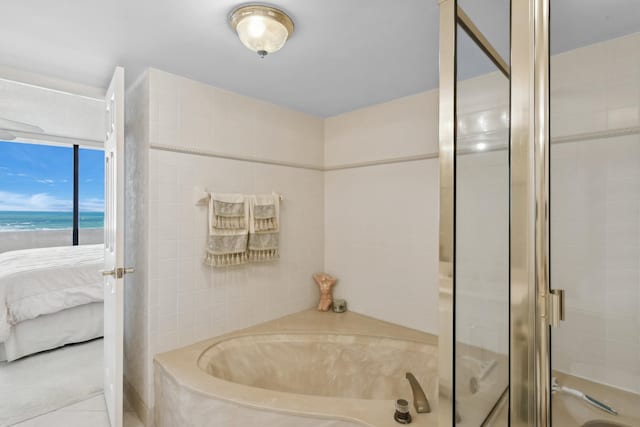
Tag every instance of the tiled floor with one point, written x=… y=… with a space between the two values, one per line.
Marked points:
x=88 y=413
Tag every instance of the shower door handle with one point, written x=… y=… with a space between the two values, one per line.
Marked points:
x=556 y=307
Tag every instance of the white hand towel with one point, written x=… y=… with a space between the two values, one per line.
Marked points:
x=228 y=230
x=227 y=212
x=264 y=228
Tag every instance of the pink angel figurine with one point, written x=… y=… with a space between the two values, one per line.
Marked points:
x=325 y=283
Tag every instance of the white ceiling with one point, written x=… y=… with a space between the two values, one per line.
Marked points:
x=344 y=54
x=60 y=115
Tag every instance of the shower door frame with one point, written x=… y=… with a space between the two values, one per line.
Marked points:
x=530 y=295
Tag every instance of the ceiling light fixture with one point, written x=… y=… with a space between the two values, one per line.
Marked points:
x=262 y=29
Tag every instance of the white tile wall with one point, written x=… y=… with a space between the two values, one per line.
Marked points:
x=596 y=88
x=186 y=301
x=189 y=114
x=190 y=301
x=381 y=240
x=381 y=233
x=400 y=128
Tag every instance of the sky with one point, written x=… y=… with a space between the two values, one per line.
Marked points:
x=36 y=177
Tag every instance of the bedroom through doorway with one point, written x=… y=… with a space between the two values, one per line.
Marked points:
x=52 y=185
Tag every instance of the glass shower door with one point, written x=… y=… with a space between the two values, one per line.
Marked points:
x=479 y=203
x=482 y=234
x=595 y=212
x=566 y=191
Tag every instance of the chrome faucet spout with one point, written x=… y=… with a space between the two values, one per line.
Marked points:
x=420 y=401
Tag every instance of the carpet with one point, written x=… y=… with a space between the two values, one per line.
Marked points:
x=50 y=380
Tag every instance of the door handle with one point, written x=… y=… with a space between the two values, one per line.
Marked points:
x=119 y=272
x=556 y=307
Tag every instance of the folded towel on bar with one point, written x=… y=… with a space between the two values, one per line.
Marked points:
x=227 y=212
x=264 y=228
x=228 y=230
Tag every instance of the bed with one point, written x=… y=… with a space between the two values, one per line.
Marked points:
x=49 y=297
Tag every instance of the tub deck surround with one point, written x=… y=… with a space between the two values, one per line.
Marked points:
x=318 y=364
x=359 y=392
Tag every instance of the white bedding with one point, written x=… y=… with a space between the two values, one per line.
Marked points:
x=41 y=281
x=50 y=331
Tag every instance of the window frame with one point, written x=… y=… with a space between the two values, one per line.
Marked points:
x=76 y=195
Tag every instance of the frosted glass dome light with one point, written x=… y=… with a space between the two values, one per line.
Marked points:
x=262 y=29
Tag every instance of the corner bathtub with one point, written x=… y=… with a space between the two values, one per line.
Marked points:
x=308 y=369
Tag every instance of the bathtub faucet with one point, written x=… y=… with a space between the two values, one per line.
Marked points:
x=420 y=401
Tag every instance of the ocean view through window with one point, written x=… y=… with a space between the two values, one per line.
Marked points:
x=36 y=195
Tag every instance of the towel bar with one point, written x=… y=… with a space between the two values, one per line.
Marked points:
x=201 y=196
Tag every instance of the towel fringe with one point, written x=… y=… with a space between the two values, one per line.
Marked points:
x=229 y=223
x=225 y=260
x=265 y=224
x=264 y=255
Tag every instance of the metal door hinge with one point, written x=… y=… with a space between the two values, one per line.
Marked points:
x=555 y=308
x=119 y=272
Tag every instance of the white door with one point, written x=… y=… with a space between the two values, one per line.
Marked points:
x=114 y=247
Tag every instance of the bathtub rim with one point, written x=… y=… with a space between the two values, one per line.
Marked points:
x=303 y=333
x=182 y=366
x=256 y=406
x=225 y=338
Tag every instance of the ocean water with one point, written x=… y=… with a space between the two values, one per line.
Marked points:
x=14 y=221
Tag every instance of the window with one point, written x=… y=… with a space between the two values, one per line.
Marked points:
x=91 y=196
x=39 y=204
